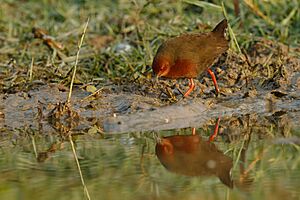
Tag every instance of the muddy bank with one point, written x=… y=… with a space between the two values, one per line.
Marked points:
x=196 y=113
x=265 y=81
x=124 y=112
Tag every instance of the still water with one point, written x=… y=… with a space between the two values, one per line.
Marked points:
x=246 y=160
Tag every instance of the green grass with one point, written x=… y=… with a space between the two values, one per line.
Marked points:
x=142 y=25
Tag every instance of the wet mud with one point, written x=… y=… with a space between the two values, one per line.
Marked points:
x=263 y=82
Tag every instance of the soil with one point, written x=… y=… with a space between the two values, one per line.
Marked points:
x=264 y=82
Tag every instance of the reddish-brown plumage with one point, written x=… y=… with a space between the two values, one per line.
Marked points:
x=190 y=155
x=188 y=55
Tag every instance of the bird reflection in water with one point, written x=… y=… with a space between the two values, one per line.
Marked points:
x=191 y=155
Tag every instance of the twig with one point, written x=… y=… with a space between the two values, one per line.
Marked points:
x=34 y=146
x=239 y=154
x=231 y=33
x=256 y=11
x=76 y=61
x=93 y=94
x=31 y=69
x=78 y=166
x=266 y=64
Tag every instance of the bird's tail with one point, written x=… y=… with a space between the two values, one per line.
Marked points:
x=220 y=28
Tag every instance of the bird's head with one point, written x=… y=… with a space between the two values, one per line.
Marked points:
x=161 y=66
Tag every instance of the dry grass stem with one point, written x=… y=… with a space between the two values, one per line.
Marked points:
x=76 y=60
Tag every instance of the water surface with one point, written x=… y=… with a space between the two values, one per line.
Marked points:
x=249 y=159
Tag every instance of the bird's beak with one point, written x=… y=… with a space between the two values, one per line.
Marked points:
x=159 y=73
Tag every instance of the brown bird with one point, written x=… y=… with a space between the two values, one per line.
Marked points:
x=191 y=155
x=188 y=55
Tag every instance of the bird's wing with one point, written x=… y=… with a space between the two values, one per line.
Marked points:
x=201 y=49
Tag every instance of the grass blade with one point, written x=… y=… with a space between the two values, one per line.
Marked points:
x=77 y=58
x=204 y=4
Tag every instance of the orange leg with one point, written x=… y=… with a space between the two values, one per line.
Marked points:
x=212 y=137
x=214 y=80
x=193 y=131
x=192 y=86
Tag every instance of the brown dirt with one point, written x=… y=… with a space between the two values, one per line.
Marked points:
x=265 y=77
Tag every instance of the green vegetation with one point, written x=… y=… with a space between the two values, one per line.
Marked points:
x=39 y=42
x=138 y=27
